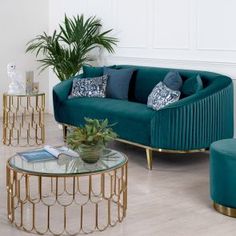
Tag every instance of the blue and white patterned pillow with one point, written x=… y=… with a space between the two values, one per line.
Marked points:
x=89 y=87
x=161 y=96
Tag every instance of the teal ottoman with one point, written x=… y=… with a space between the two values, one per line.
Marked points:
x=223 y=176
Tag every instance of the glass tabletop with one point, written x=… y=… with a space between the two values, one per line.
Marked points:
x=67 y=165
x=24 y=94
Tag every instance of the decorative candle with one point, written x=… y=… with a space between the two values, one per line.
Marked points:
x=29 y=81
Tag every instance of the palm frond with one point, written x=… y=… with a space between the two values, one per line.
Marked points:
x=67 y=49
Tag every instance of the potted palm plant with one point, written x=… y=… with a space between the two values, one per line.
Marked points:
x=67 y=49
x=89 y=140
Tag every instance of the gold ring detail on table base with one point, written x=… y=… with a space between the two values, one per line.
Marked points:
x=23 y=119
x=52 y=198
x=228 y=211
x=149 y=150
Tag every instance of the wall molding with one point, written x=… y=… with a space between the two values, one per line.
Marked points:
x=155 y=38
x=209 y=49
x=174 y=60
x=227 y=68
x=116 y=18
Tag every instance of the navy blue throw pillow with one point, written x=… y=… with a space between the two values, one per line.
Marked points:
x=173 y=80
x=118 y=82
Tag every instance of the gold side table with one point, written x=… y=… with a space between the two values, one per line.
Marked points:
x=23 y=119
x=67 y=196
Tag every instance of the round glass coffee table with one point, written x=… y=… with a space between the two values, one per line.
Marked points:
x=66 y=195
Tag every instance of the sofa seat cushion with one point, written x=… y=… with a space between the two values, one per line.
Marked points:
x=133 y=119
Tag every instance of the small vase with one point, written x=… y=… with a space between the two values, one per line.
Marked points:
x=90 y=154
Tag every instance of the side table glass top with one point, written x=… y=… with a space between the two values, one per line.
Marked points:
x=24 y=94
x=66 y=165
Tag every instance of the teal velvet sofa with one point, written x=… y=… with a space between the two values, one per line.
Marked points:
x=189 y=125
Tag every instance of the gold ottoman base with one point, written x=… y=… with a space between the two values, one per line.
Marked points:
x=228 y=211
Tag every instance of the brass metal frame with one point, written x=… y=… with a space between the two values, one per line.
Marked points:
x=149 y=150
x=228 y=211
x=23 y=119
x=98 y=200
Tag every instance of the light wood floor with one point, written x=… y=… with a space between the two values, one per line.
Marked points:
x=171 y=200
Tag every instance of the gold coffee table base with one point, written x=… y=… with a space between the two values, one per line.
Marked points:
x=66 y=204
x=23 y=119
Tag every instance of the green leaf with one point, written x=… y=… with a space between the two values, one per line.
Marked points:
x=66 y=50
x=94 y=132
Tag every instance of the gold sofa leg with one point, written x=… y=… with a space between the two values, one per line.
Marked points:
x=149 y=158
x=64 y=132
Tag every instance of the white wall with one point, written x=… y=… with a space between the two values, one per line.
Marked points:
x=195 y=34
x=20 y=21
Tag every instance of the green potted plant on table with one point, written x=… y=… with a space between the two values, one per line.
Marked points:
x=67 y=49
x=89 y=140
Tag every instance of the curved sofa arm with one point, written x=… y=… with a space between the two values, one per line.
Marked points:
x=196 y=121
x=61 y=90
x=60 y=93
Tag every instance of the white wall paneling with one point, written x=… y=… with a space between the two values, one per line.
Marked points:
x=181 y=29
x=131 y=23
x=226 y=68
x=215 y=29
x=171 y=24
x=162 y=29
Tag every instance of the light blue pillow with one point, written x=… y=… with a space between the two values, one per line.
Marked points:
x=173 y=80
x=118 y=82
